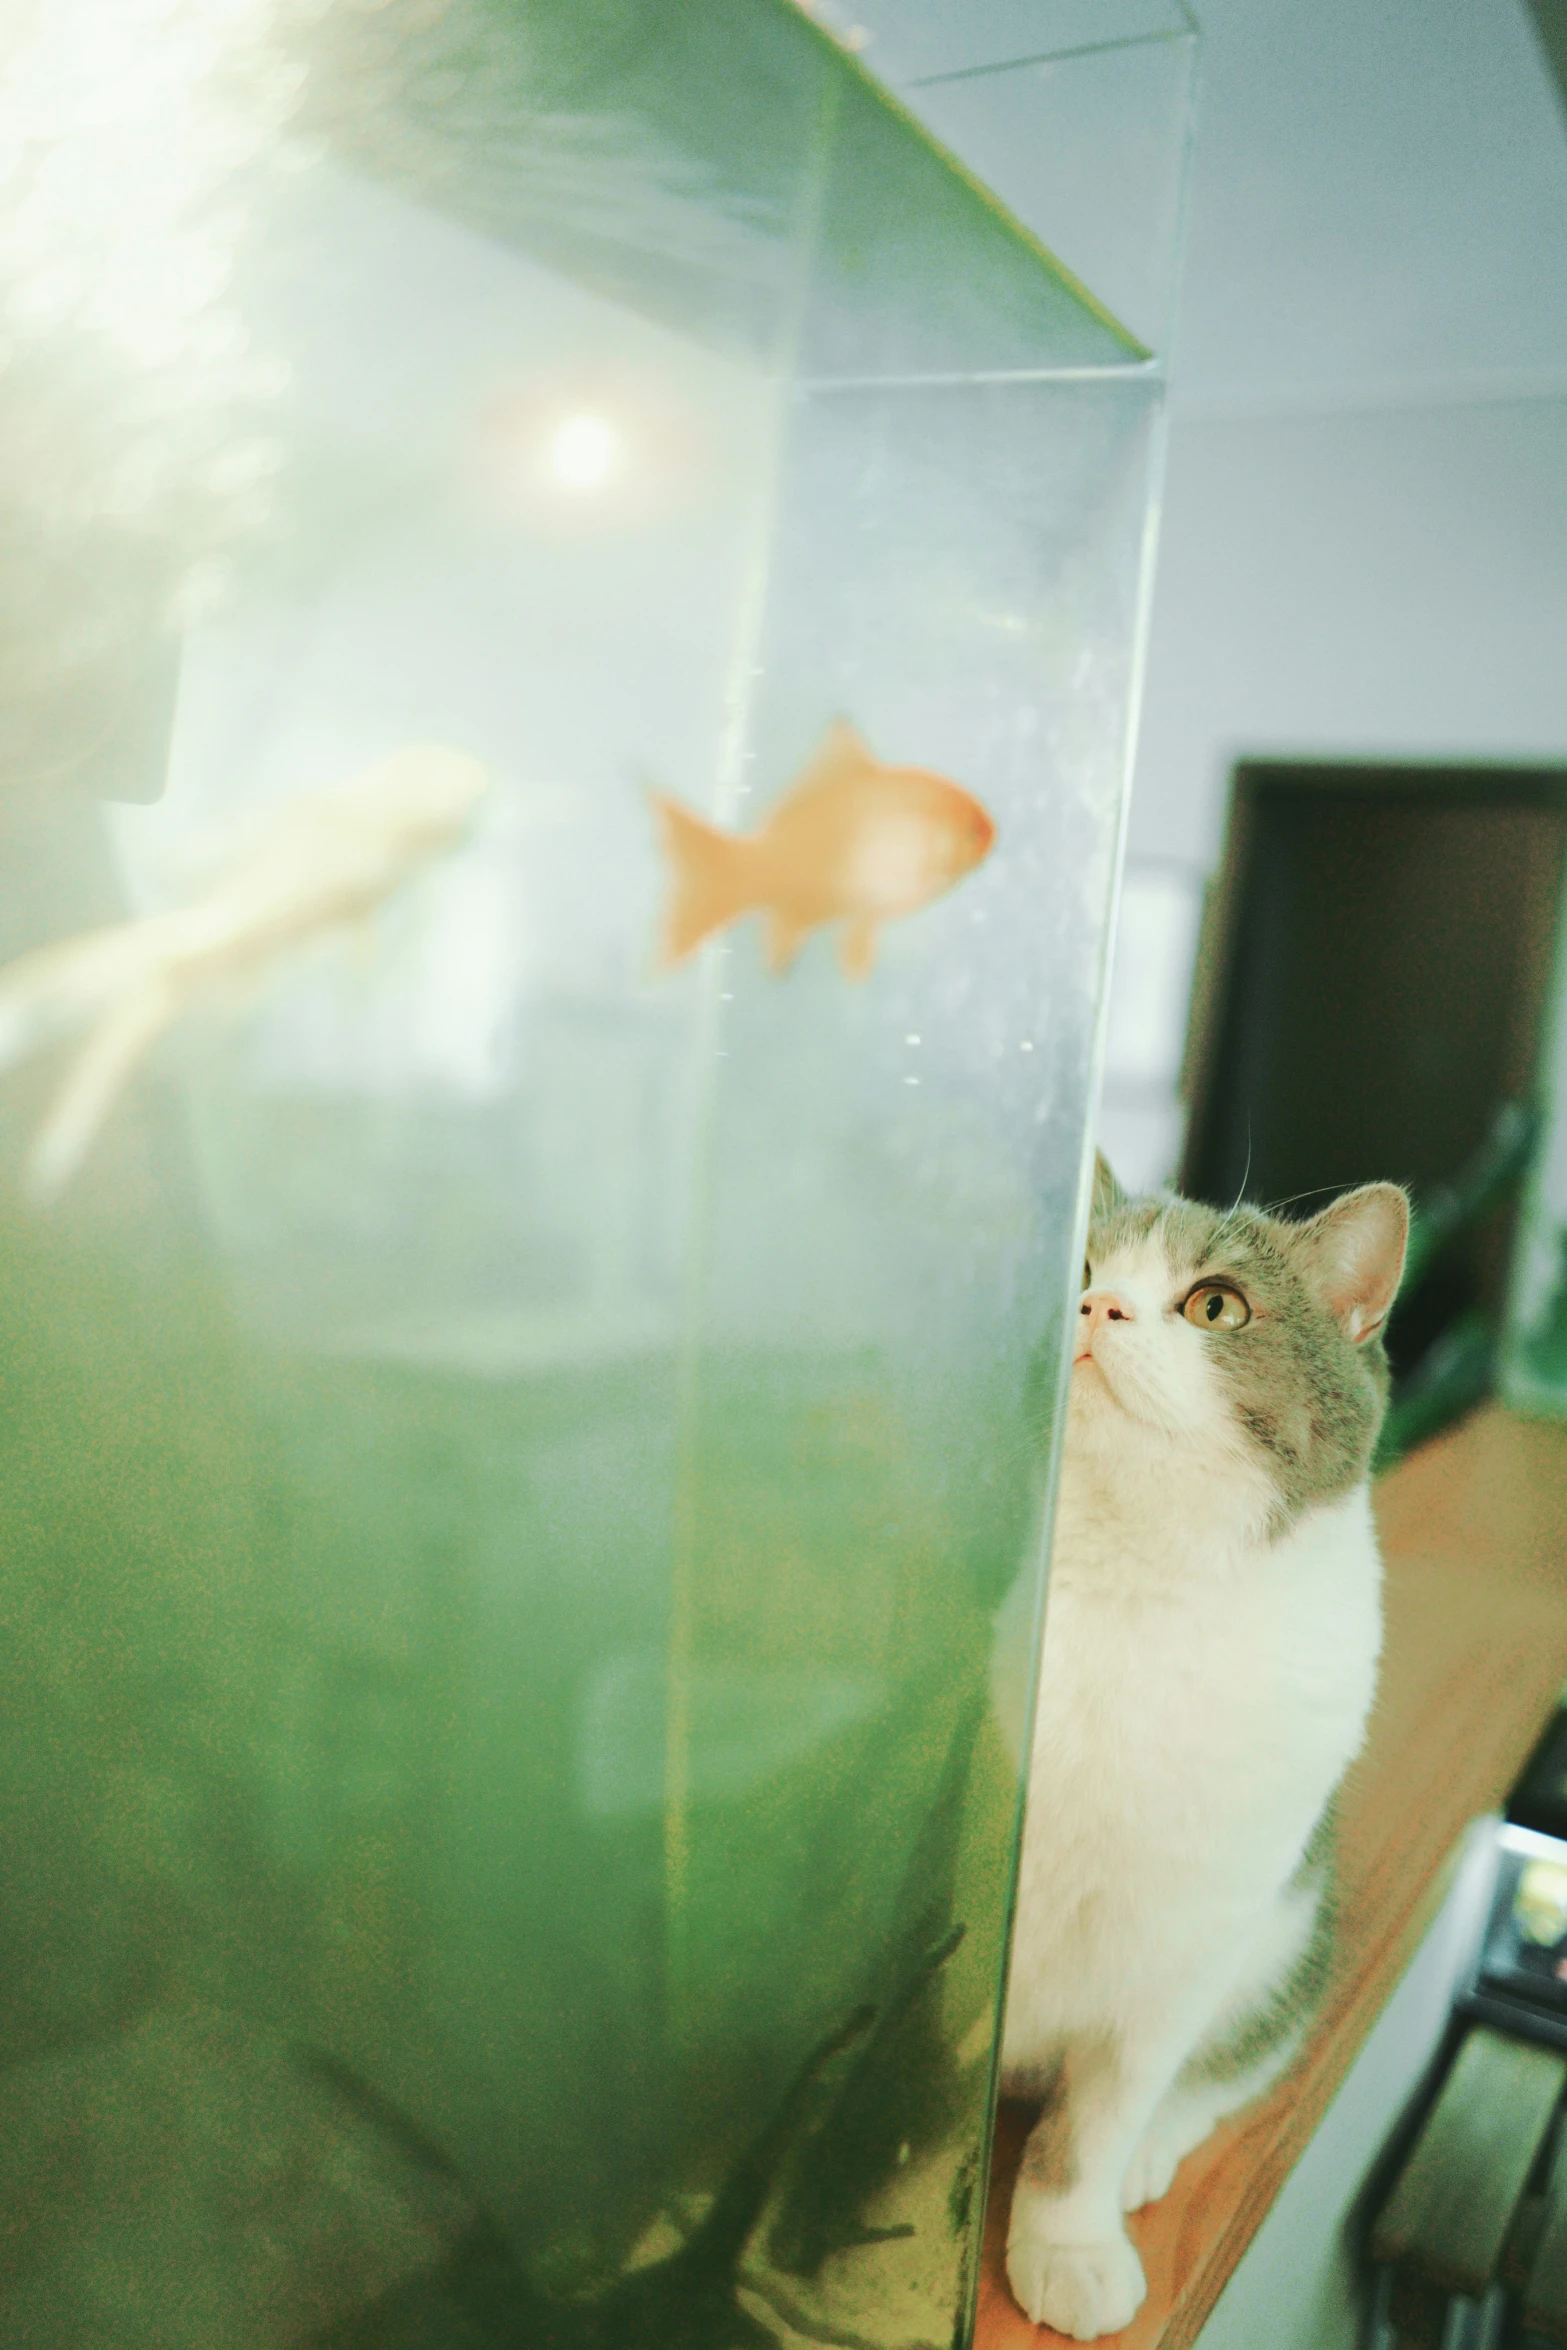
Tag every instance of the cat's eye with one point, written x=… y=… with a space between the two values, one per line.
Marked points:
x=1088 y=1274
x=1214 y=1305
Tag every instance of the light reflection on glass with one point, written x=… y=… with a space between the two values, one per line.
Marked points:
x=584 y=451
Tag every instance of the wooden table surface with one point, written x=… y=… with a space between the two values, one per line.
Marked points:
x=1474 y=1532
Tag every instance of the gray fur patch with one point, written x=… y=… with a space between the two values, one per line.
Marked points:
x=1305 y=1396
x=1050 y=2156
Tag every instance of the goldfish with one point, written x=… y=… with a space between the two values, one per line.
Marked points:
x=854 y=841
x=329 y=859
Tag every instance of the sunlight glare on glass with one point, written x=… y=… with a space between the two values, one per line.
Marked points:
x=584 y=451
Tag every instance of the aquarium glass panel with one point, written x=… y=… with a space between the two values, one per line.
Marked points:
x=572 y=600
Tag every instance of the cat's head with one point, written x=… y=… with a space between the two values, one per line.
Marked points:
x=1241 y=1343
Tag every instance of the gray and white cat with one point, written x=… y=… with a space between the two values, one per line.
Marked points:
x=1209 y=1662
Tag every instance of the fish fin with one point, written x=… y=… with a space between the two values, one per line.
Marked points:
x=842 y=752
x=711 y=879
x=94 y=1082
x=857 y=948
x=785 y=936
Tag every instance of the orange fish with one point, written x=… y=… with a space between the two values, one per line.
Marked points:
x=854 y=842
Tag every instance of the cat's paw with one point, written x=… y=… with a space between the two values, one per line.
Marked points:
x=1084 y=2290
x=1151 y=2172
x=1180 y=2126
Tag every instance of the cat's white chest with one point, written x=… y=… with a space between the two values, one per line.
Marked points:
x=1195 y=1710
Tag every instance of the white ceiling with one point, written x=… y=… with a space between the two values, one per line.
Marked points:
x=1378 y=208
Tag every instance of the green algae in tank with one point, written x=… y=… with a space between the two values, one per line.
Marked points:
x=512 y=1452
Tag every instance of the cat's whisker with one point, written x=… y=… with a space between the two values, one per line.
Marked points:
x=1230 y=1212
x=1317 y=1191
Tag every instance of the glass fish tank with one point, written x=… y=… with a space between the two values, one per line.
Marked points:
x=573 y=600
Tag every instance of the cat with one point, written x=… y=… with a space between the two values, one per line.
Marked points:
x=1213 y=1623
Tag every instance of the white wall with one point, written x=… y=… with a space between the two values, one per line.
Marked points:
x=1365 y=541
x=1390 y=582
x=1365 y=544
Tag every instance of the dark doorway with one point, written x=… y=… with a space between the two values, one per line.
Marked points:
x=1371 y=1001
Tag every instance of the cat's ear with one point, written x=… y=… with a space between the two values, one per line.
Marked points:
x=1108 y=1195
x=1353 y=1254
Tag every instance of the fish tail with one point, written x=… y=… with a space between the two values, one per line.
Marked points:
x=125 y=1034
x=712 y=878
x=66 y=985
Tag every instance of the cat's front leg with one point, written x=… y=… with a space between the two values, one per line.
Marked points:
x=1069 y=2260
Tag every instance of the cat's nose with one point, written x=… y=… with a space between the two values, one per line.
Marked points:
x=1095 y=1308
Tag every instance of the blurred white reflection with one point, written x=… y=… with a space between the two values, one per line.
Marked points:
x=1140 y=1118
x=584 y=451
x=1155 y=944
x=124 y=125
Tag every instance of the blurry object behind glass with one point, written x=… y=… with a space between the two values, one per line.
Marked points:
x=1156 y=926
x=331 y=858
